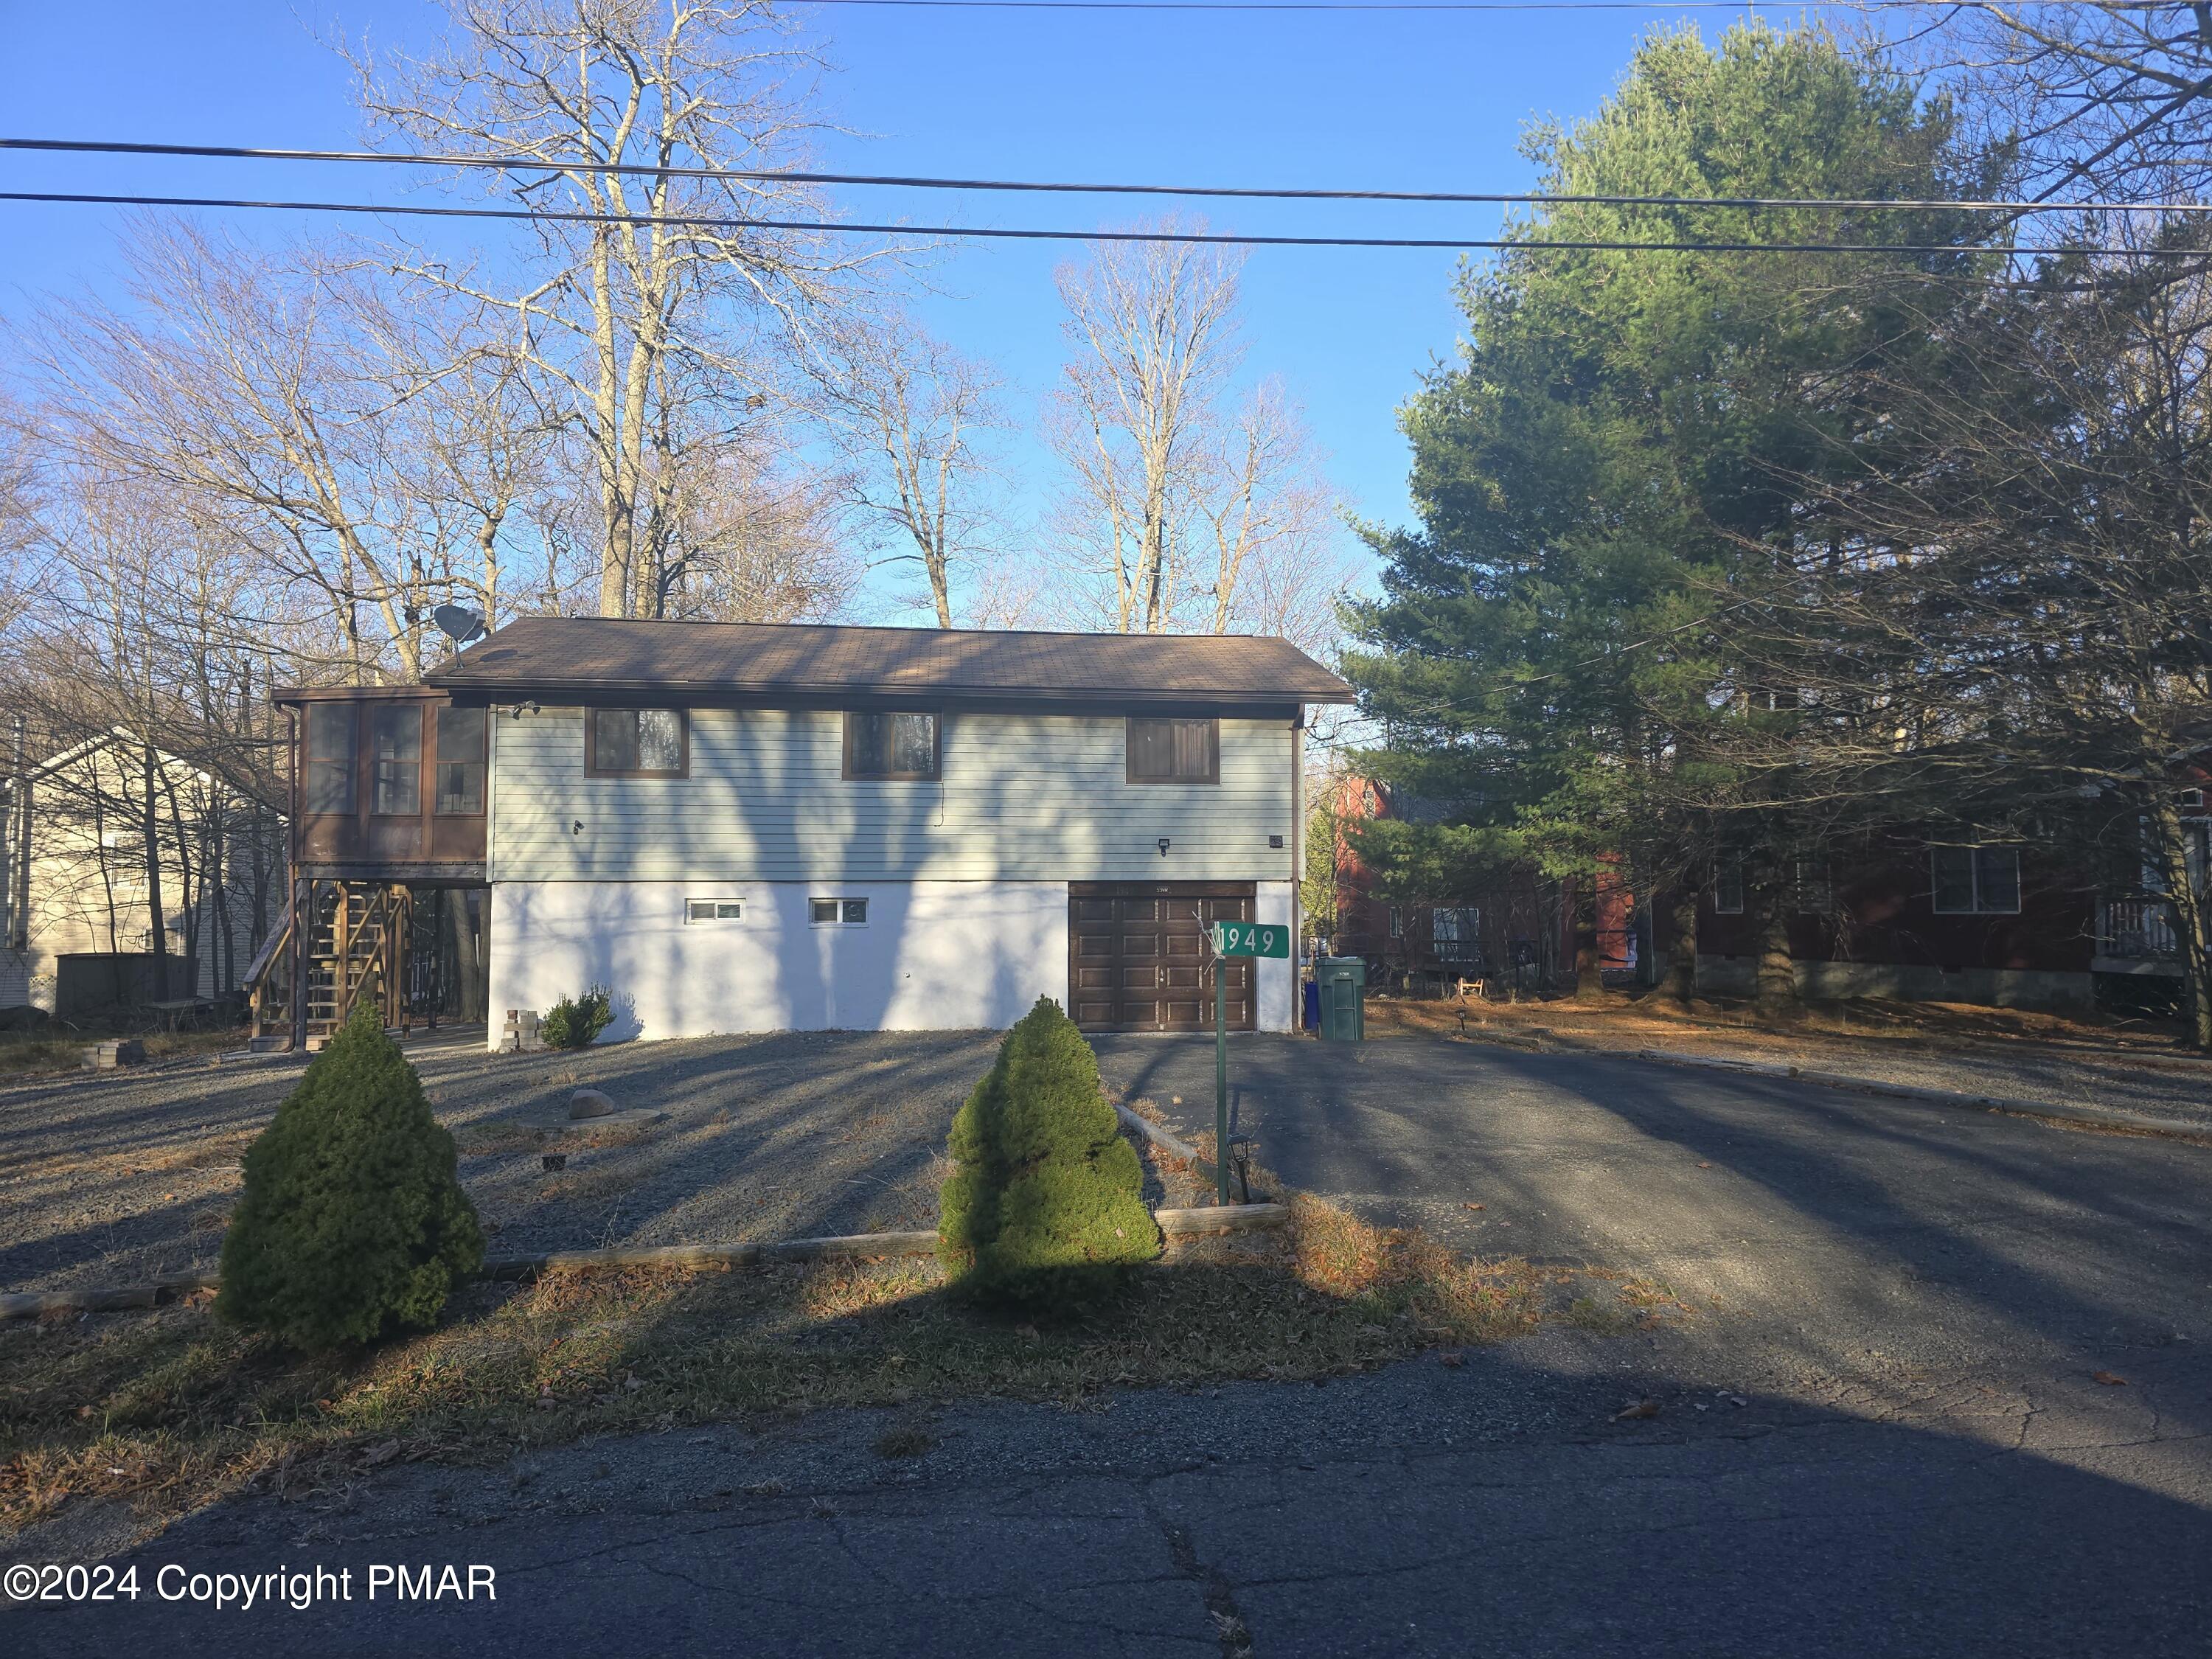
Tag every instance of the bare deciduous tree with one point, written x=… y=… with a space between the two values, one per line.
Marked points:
x=1152 y=329
x=19 y=574
x=1272 y=526
x=2007 y=633
x=751 y=541
x=2103 y=97
x=368 y=449
x=641 y=330
x=910 y=414
x=1186 y=510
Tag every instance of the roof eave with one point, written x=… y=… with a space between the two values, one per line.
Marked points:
x=708 y=693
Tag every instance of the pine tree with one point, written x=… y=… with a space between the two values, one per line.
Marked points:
x=353 y=1222
x=1045 y=1205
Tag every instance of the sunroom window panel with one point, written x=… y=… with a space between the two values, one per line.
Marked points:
x=328 y=784
x=395 y=752
x=460 y=775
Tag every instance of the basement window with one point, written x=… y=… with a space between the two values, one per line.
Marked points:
x=837 y=912
x=713 y=911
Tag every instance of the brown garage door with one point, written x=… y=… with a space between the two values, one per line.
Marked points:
x=1137 y=956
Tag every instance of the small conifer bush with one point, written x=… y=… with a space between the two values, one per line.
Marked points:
x=572 y=1023
x=1045 y=1205
x=353 y=1224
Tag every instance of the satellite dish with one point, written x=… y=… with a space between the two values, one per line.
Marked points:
x=459 y=624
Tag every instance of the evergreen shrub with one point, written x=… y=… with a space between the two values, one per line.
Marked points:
x=353 y=1224
x=1045 y=1205
x=573 y=1024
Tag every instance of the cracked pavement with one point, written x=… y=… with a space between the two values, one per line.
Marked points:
x=1880 y=1431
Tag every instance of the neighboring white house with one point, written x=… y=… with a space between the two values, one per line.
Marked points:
x=740 y=827
x=74 y=880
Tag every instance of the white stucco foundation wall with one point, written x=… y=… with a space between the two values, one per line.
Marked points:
x=932 y=956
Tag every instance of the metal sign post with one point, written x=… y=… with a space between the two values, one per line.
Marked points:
x=1233 y=939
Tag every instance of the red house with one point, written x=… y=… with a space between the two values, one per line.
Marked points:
x=1916 y=917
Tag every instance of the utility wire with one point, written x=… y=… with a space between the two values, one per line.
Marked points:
x=1447 y=5
x=732 y=221
x=1508 y=198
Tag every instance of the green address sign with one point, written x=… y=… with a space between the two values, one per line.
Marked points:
x=1245 y=938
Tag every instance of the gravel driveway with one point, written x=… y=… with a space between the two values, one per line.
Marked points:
x=107 y=1181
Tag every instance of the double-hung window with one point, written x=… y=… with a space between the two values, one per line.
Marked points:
x=1812 y=888
x=1975 y=880
x=1728 y=887
x=1174 y=751
x=1455 y=932
x=891 y=746
x=637 y=742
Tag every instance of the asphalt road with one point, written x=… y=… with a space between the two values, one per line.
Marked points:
x=1881 y=1431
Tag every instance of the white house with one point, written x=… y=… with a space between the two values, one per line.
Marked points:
x=748 y=827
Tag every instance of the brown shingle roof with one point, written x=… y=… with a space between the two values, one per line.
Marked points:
x=542 y=656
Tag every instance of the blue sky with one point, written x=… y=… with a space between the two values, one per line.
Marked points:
x=1401 y=100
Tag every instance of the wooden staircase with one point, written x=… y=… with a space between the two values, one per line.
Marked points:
x=357 y=936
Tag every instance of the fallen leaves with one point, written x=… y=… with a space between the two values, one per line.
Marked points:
x=2110 y=1379
x=1470 y=1207
x=1637 y=1411
x=1452 y=1357
x=380 y=1454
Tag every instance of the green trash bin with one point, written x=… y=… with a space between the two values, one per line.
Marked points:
x=1343 y=981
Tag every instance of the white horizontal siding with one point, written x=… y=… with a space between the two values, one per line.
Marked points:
x=1033 y=798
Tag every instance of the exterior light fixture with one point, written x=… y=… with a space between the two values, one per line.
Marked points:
x=1163 y=845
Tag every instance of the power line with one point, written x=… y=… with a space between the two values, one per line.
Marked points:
x=1435 y=5
x=730 y=221
x=913 y=181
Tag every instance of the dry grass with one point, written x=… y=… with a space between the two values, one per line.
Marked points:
x=206 y=1152
x=1618 y=1017
x=172 y=1408
x=23 y=1053
x=32 y=1052
x=497 y=1136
